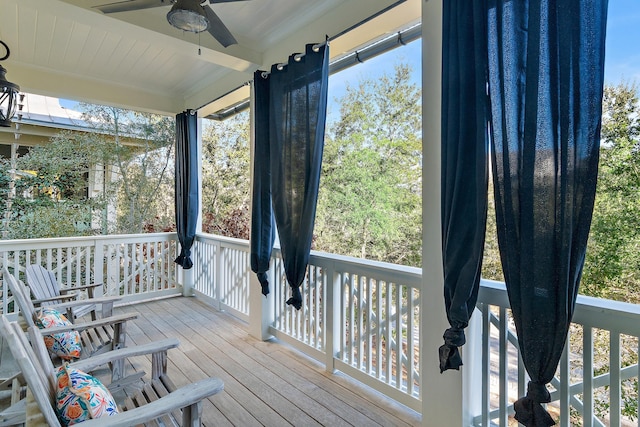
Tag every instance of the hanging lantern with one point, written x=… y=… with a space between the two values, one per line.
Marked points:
x=8 y=94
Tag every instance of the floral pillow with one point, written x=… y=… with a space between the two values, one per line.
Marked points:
x=81 y=397
x=66 y=345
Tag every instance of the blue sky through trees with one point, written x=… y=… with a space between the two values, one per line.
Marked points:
x=622 y=55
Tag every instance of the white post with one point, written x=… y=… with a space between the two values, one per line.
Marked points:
x=443 y=397
x=261 y=311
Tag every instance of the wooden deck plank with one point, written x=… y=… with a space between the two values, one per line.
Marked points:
x=242 y=384
x=298 y=408
x=266 y=383
x=228 y=402
x=272 y=371
x=277 y=363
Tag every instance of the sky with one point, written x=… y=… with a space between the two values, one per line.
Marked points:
x=622 y=54
x=622 y=51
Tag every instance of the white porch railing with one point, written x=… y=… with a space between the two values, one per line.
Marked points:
x=372 y=317
x=134 y=266
x=221 y=273
x=597 y=381
x=362 y=318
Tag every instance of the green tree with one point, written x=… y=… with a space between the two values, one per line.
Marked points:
x=51 y=189
x=612 y=268
x=370 y=191
x=5 y=180
x=143 y=188
x=226 y=177
x=135 y=152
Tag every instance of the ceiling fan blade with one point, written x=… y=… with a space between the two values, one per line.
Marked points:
x=129 y=5
x=218 y=30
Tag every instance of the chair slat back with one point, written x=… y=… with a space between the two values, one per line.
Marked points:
x=36 y=379
x=21 y=296
x=42 y=357
x=42 y=282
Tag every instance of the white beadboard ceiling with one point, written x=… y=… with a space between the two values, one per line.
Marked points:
x=67 y=49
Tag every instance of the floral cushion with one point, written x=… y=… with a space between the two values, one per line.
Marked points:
x=81 y=397
x=66 y=345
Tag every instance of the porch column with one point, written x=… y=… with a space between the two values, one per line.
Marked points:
x=188 y=276
x=261 y=313
x=444 y=396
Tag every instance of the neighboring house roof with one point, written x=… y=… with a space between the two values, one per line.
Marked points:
x=47 y=111
x=40 y=118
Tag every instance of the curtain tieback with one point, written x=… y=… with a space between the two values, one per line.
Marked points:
x=529 y=410
x=264 y=282
x=449 y=354
x=296 y=298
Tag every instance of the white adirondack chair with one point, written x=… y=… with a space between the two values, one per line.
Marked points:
x=46 y=290
x=157 y=399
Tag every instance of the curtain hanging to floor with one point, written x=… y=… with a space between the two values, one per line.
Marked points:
x=546 y=66
x=186 y=184
x=295 y=100
x=465 y=149
x=262 y=223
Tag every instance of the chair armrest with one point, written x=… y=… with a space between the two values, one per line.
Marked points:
x=77 y=303
x=56 y=298
x=7 y=383
x=180 y=398
x=120 y=318
x=93 y=362
x=79 y=287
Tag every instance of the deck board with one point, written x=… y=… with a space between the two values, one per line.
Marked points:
x=266 y=383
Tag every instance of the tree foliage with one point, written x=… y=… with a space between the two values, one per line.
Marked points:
x=226 y=177
x=612 y=268
x=51 y=189
x=52 y=192
x=370 y=190
x=144 y=169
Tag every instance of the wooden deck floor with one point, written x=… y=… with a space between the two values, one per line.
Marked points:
x=266 y=383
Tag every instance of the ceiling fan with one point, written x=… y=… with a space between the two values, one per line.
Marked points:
x=188 y=15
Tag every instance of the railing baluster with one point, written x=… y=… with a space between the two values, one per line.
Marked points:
x=379 y=338
x=614 y=371
x=503 y=371
x=486 y=364
x=388 y=336
x=587 y=376
x=410 y=341
x=565 y=381
x=398 y=346
x=78 y=275
x=320 y=298
x=367 y=318
x=351 y=314
x=344 y=300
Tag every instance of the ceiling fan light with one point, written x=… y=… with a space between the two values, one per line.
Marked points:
x=188 y=16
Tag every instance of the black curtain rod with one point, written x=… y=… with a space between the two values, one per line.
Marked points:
x=400 y=38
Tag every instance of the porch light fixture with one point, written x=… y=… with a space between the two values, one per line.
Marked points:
x=8 y=93
x=188 y=15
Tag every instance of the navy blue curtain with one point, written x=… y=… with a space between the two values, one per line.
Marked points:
x=262 y=223
x=546 y=66
x=186 y=180
x=296 y=103
x=465 y=149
